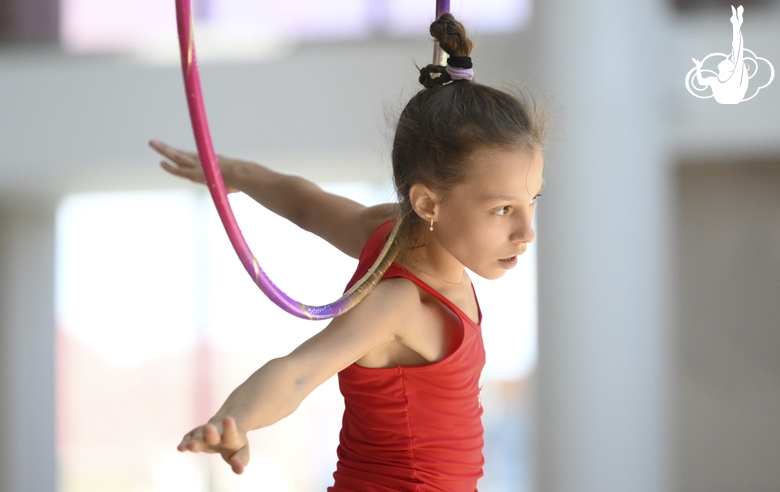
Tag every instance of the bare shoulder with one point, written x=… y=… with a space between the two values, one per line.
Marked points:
x=378 y=319
x=391 y=303
x=397 y=323
x=424 y=330
x=384 y=315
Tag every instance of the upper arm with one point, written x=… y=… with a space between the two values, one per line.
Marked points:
x=342 y=222
x=377 y=319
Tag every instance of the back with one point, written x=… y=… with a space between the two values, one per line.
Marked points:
x=412 y=428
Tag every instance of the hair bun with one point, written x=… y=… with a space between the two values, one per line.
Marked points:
x=451 y=36
x=434 y=75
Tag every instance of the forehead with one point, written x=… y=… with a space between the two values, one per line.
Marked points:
x=505 y=172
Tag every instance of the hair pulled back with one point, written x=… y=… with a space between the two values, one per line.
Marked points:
x=444 y=125
x=451 y=36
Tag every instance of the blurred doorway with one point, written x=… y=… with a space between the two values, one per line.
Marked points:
x=727 y=340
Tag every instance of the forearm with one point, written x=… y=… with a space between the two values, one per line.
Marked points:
x=344 y=223
x=269 y=395
x=279 y=193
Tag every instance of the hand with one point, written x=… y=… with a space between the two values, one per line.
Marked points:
x=187 y=164
x=697 y=62
x=220 y=436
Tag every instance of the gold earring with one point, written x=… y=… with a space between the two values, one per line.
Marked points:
x=431 y=224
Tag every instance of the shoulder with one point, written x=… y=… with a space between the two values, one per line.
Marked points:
x=397 y=311
x=391 y=303
x=378 y=319
x=390 y=312
x=413 y=327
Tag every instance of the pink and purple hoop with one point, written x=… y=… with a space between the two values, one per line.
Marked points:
x=218 y=192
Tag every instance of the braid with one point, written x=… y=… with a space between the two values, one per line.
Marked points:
x=429 y=80
x=452 y=38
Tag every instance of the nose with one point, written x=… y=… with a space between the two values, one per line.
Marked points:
x=523 y=231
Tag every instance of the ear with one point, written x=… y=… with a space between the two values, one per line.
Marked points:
x=424 y=201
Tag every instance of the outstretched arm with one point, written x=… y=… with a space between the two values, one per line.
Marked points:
x=275 y=390
x=344 y=223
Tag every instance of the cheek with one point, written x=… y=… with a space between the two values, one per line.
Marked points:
x=459 y=234
x=475 y=240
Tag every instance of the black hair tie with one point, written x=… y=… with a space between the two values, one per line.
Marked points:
x=459 y=61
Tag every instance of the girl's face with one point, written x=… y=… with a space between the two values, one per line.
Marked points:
x=486 y=222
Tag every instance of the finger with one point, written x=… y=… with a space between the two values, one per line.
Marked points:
x=189 y=440
x=197 y=446
x=185 y=158
x=230 y=433
x=211 y=435
x=183 y=444
x=160 y=147
x=239 y=460
x=171 y=169
x=187 y=173
x=180 y=157
x=175 y=170
x=197 y=443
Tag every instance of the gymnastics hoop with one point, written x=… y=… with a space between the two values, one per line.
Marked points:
x=216 y=186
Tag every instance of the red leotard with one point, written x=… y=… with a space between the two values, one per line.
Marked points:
x=412 y=428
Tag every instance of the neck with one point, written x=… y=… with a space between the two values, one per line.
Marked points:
x=434 y=261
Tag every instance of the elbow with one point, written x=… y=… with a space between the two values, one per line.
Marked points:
x=283 y=369
x=300 y=188
x=288 y=374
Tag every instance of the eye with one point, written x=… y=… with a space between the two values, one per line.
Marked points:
x=536 y=198
x=501 y=210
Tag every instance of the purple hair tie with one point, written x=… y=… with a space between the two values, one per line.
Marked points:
x=457 y=73
x=459 y=68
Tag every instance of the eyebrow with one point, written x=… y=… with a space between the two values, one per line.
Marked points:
x=486 y=198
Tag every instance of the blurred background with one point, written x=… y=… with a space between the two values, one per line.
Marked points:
x=636 y=347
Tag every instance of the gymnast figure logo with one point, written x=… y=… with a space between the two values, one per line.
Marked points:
x=735 y=70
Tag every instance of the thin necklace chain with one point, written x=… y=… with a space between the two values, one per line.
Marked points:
x=445 y=281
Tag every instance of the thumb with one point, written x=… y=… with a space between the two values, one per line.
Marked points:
x=239 y=460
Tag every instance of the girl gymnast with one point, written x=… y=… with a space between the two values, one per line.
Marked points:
x=467 y=168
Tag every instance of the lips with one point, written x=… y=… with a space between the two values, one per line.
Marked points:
x=508 y=263
x=508 y=258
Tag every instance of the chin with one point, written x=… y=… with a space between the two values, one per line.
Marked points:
x=491 y=275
